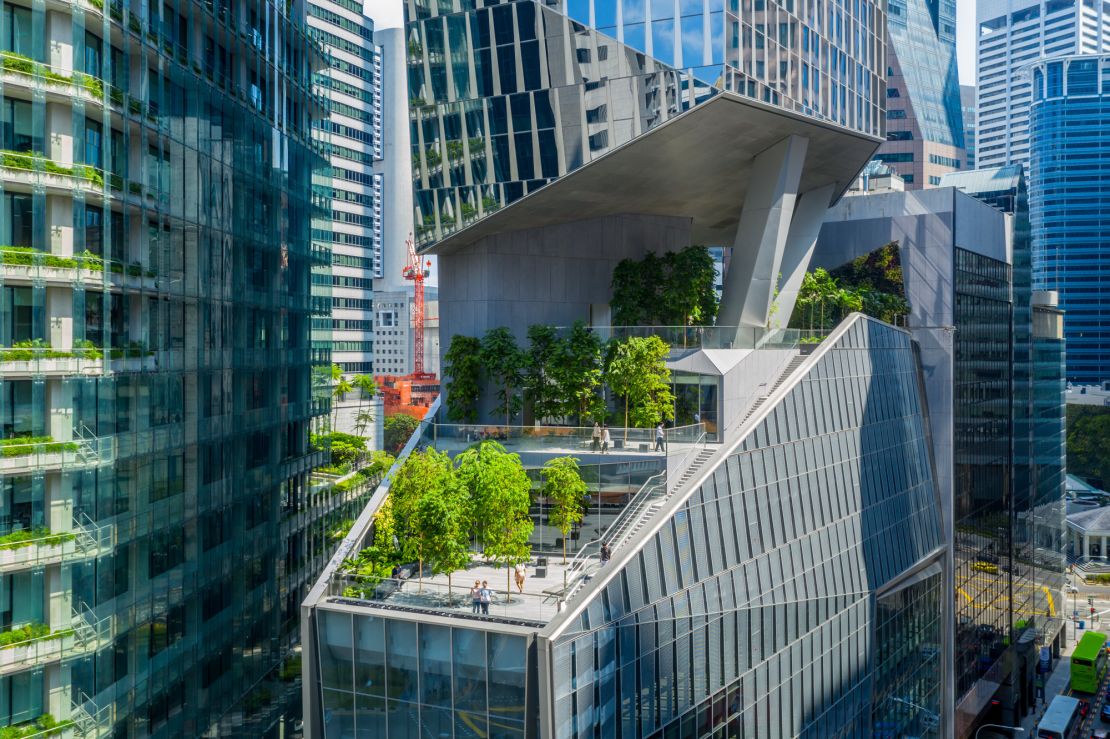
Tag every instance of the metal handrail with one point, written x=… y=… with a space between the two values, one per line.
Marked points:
x=632 y=514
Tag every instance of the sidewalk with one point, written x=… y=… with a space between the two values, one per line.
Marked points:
x=1056 y=684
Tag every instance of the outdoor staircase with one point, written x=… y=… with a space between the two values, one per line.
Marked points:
x=783 y=376
x=642 y=508
x=693 y=468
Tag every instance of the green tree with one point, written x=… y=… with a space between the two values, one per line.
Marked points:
x=544 y=349
x=689 y=295
x=566 y=492
x=368 y=388
x=378 y=464
x=577 y=373
x=440 y=527
x=462 y=363
x=363 y=419
x=424 y=474
x=397 y=430
x=637 y=372
x=338 y=392
x=501 y=493
x=504 y=363
x=1088 y=443
x=677 y=289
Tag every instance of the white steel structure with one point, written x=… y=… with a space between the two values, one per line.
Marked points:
x=354 y=133
x=1013 y=34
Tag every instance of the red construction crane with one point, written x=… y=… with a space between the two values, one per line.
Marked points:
x=416 y=272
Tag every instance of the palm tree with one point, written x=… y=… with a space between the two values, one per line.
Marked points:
x=340 y=390
x=362 y=420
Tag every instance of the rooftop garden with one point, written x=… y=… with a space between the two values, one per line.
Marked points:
x=560 y=374
x=443 y=514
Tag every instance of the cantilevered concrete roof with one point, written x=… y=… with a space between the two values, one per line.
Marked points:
x=695 y=165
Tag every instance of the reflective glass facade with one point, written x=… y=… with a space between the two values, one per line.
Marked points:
x=798 y=591
x=924 y=116
x=160 y=183
x=352 y=136
x=753 y=608
x=507 y=97
x=1012 y=35
x=1069 y=168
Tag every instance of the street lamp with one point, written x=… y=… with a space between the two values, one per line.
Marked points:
x=998 y=726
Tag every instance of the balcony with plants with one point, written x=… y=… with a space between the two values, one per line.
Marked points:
x=30 y=454
x=35 y=644
x=29 y=265
x=25 y=548
x=33 y=169
x=21 y=71
x=40 y=728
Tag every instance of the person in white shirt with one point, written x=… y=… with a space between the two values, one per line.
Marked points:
x=521 y=572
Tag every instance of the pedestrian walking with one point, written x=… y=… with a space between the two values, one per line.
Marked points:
x=521 y=572
x=596 y=438
x=605 y=440
x=476 y=597
x=605 y=554
x=659 y=436
x=484 y=597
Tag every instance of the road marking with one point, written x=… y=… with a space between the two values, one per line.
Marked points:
x=1051 y=602
x=962 y=592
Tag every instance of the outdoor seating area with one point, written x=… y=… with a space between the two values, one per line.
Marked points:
x=546 y=583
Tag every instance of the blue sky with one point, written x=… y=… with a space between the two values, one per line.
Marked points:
x=965 y=39
x=389 y=14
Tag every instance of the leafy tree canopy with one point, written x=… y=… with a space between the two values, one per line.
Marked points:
x=397 y=430
x=462 y=363
x=638 y=373
x=871 y=284
x=501 y=493
x=1089 y=443
x=504 y=364
x=677 y=289
x=566 y=492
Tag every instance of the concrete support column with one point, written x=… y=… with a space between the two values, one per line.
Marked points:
x=59 y=503
x=1086 y=547
x=59 y=399
x=761 y=234
x=59 y=309
x=805 y=227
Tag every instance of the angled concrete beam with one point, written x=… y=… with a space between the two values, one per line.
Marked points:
x=761 y=233
x=805 y=227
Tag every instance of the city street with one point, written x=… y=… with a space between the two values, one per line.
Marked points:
x=1058 y=681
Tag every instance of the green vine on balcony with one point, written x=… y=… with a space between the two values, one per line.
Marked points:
x=40 y=536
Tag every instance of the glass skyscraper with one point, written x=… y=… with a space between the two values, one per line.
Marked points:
x=160 y=249
x=1069 y=165
x=352 y=136
x=1012 y=34
x=507 y=97
x=924 y=126
x=793 y=588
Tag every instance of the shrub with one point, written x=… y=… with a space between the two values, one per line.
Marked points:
x=40 y=536
x=16 y=160
x=12 y=62
x=44 y=725
x=24 y=255
x=23 y=633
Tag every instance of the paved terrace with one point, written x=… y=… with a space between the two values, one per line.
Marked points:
x=537 y=605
